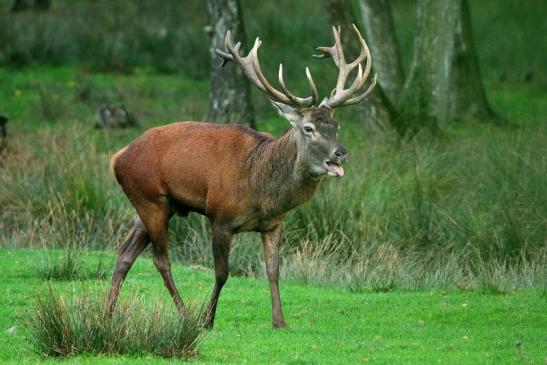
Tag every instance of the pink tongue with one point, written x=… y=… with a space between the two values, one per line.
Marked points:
x=338 y=169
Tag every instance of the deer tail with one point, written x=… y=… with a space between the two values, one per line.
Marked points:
x=113 y=161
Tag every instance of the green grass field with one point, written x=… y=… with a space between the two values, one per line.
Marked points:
x=327 y=325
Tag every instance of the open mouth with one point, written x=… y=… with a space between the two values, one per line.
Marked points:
x=333 y=169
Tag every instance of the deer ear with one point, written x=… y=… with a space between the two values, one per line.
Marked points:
x=292 y=115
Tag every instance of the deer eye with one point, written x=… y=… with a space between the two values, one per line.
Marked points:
x=308 y=129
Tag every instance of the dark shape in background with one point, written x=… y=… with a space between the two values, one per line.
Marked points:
x=115 y=116
x=22 y=5
x=3 y=132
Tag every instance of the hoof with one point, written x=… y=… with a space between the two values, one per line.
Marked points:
x=208 y=323
x=279 y=325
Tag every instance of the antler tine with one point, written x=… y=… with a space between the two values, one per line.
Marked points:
x=226 y=57
x=364 y=55
x=251 y=68
x=340 y=96
x=365 y=52
x=363 y=96
x=344 y=71
x=229 y=45
x=269 y=88
x=315 y=94
x=295 y=99
x=331 y=52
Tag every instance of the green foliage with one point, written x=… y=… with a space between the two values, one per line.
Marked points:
x=59 y=327
x=61 y=189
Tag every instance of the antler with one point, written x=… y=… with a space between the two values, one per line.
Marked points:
x=251 y=68
x=340 y=96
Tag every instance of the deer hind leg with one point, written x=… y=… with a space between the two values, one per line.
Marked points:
x=222 y=237
x=136 y=242
x=156 y=219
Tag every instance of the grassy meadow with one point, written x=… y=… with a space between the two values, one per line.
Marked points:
x=326 y=325
x=427 y=250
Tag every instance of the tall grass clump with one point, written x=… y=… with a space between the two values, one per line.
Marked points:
x=59 y=327
x=70 y=264
x=66 y=266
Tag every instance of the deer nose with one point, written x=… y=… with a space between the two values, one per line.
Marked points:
x=341 y=154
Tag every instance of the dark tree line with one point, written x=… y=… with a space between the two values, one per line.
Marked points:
x=443 y=86
x=22 y=5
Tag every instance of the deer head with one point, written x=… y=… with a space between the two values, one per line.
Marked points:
x=314 y=128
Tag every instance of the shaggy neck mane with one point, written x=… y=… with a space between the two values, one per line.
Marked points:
x=276 y=172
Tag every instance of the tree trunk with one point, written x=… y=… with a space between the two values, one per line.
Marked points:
x=444 y=83
x=229 y=94
x=380 y=35
x=378 y=112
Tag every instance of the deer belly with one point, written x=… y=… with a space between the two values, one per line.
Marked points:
x=255 y=223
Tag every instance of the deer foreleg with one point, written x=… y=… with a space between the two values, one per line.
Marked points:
x=271 y=241
x=222 y=237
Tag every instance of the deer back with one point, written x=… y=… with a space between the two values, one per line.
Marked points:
x=202 y=167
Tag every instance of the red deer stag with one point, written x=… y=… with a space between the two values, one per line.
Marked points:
x=240 y=179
